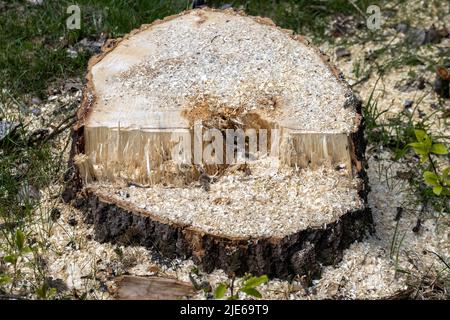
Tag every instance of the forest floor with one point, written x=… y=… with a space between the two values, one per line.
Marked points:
x=47 y=251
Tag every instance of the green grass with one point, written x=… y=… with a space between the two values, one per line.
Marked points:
x=395 y=133
x=34 y=38
x=311 y=16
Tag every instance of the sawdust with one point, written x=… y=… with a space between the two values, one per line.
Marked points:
x=269 y=202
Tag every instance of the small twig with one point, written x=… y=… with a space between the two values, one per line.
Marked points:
x=363 y=79
x=232 y=285
x=432 y=164
x=137 y=185
x=61 y=128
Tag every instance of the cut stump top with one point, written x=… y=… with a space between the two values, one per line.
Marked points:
x=155 y=76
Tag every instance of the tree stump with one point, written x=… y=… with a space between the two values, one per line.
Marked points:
x=221 y=137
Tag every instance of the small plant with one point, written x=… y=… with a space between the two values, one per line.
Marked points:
x=19 y=249
x=45 y=292
x=247 y=286
x=426 y=149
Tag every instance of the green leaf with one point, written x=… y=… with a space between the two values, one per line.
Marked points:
x=423 y=137
x=251 y=292
x=20 y=239
x=437 y=190
x=220 y=291
x=45 y=292
x=255 y=281
x=27 y=250
x=431 y=178
x=10 y=259
x=439 y=148
x=420 y=148
x=5 y=279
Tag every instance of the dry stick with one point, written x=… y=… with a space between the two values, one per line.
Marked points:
x=61 y=128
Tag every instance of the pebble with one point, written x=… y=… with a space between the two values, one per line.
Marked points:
x=6 y=127
x=36 y=100
x=402 y=27
x=36 y=111
x=422 y=36
x=408 y=104
x=342 y=52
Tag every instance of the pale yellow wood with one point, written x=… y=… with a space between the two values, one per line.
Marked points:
x=226 y=70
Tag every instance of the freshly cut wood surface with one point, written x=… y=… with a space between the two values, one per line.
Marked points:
x=152 y=288
x=222 y=59
x=221 y=68
x=281 y=212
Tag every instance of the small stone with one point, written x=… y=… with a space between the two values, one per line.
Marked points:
x=92 y=46
x=416 y=37
x=73 y=85
x=36 y=100
x=6 y=127
x=420 y=37
x=342 y=52
x=36 y=111
x=402 y=27
x=408 y=104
